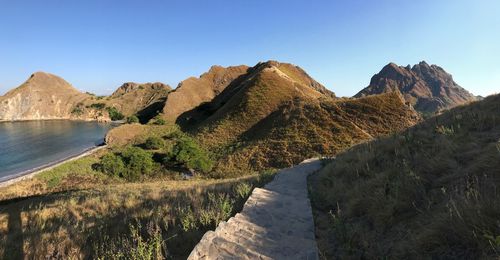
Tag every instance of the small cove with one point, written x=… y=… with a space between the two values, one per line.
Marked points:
x=29 y=145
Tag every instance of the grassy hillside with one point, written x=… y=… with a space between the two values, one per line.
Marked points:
x=192 y=91
x=162 y=219
x=428 y=192
x=79 y=210
x=277 y=116
x=302 y=129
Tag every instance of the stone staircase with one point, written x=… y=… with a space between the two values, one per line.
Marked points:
x=276 y=222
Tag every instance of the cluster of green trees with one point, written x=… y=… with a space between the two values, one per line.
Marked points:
x=133 y=162
x=130 y=164
x=187 y=152
x=114 y=114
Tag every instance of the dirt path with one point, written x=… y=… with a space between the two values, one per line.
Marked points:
x=275 y=223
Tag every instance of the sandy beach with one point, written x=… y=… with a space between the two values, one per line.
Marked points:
x=33 y=172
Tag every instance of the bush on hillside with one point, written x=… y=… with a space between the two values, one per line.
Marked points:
x=77 y=111
x=114 y=114
x=153 y=143
x=138 y=162
x=188 y=153
x=131 y=164
x=157 y=120
x=98 y=106
x=112 y=165
x=132 y=120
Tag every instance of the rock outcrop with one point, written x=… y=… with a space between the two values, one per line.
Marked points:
x=144 y=100
x=429 y=88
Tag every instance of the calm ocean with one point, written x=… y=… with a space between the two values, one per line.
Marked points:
x=32 y=144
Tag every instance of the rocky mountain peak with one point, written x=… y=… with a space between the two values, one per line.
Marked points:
x=429 y=88
x=47 y=80
x=41 y=96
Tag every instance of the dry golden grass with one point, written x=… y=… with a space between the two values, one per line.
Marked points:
x=137 y=133
x=100 y=222
x=429 y=192
x=301 y=128
x=73 y=175
x=194 y=91
x=277 y=115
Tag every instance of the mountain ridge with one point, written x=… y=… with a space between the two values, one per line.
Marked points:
x=276 y=116
x=193 y=91
x=429 y=88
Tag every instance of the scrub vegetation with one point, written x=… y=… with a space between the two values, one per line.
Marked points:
x=429 y=192
x=148 y=220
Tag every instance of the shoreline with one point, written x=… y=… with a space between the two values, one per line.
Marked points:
x=28 y=174
x=63 y=119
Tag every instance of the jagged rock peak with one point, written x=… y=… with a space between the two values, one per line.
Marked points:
x=429 y=88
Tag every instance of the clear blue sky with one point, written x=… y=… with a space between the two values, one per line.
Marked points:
x=97 y=45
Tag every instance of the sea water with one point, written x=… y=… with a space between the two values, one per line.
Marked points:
x=30 y=145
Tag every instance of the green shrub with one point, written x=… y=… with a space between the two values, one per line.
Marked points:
x=98 y=106
x=222 y=204
x=131 y=164
x=77 y=111
x=112 y=165
x=114 y=114
x=153 y=143
x=136 y=245
x=188 y=219
x=243 y=190
x=138 y=162
x=187 y=152
x=132 y=120
x=157 y=120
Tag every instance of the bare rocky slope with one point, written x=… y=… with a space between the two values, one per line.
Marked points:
x=429 y=88
x=42 y=96
x=144 y=100
x=46 y=96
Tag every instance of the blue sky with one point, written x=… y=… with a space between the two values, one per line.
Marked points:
x=98 y=45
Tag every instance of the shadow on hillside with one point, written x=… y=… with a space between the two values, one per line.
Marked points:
x=151 y=111
x=14 y=240
x=189 y=120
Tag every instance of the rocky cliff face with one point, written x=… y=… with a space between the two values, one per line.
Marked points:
x=144 y=100
x=46 y=96
x=429 y=88
x=42 y=96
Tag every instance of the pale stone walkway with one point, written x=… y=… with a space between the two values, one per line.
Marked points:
x=275 y=223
